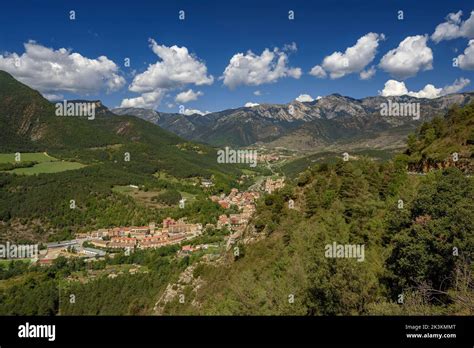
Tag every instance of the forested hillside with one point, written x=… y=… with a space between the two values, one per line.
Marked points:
x=417 y=230
x=444 y=142
x=420 y=251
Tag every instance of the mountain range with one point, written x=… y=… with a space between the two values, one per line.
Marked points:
x=331 y=123
x=328 y=123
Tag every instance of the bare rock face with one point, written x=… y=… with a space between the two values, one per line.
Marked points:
x=174 y=291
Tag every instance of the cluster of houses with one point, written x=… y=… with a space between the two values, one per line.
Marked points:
x=244 y=201
x=169 y=232
x=64 y=248
x=206 y=183
x=144 y=237
x=268 y=158
x=272 y=185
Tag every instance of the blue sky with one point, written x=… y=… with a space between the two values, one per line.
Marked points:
x=214 y=31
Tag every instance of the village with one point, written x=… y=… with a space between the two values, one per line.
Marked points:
x=107 y=241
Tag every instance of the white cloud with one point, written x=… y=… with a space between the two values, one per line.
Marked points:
x=466 y=60
x=429 y=91
x=454 y=28
x=149 y=100
x=251 y=105
x=353 y=60
x=411 y=56
x=397 y=88
x=187 y=96
x=189 y=112
x=368 y=73
x=393 y=88
x=302 y=98
x=53 y=97
x=254 y=70
x=50 y=71
x=458 y=85
x=257 y=93
x=318 y=71
x=175 y=69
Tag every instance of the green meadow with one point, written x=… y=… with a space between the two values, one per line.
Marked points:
x=46 y=163
x=27 y=157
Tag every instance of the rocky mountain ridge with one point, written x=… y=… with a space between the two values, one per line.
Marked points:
x=304 y=125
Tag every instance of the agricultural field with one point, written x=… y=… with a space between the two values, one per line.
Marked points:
x=40 y=162
x=188 y=196
x=140 y=196
x=39 y=157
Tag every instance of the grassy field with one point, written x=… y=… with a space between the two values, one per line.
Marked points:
x=46 y=163
x=164 y=176
x=172 y=180
x=123 y=189
x=188 y=196
x=48 y=167
x=27 y=157
x=140 y=196
x=248 y=171
x=146 y=197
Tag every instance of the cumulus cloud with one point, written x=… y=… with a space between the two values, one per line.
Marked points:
x=175 y=68
x=411 y=56
x=302 y=98
x=368 y=73
x=257 y=93
x=393 y=88
x=52 y=96
x=189 y=112
x=318 y=71
x=187 y=96
x=253 y=70
x=454 y=28
x=398 y=88
x=148 y=100
x=62 y=70
x=353 y=60
x=251 y=105
x=466 y=60
x=458 y=85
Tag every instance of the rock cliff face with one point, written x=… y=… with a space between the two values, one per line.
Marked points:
x=305 y=125
x=466 y=165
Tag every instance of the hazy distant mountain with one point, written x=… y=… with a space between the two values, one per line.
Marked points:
x=321 y=123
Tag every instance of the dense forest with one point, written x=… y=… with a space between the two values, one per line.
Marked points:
x=421 y=251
